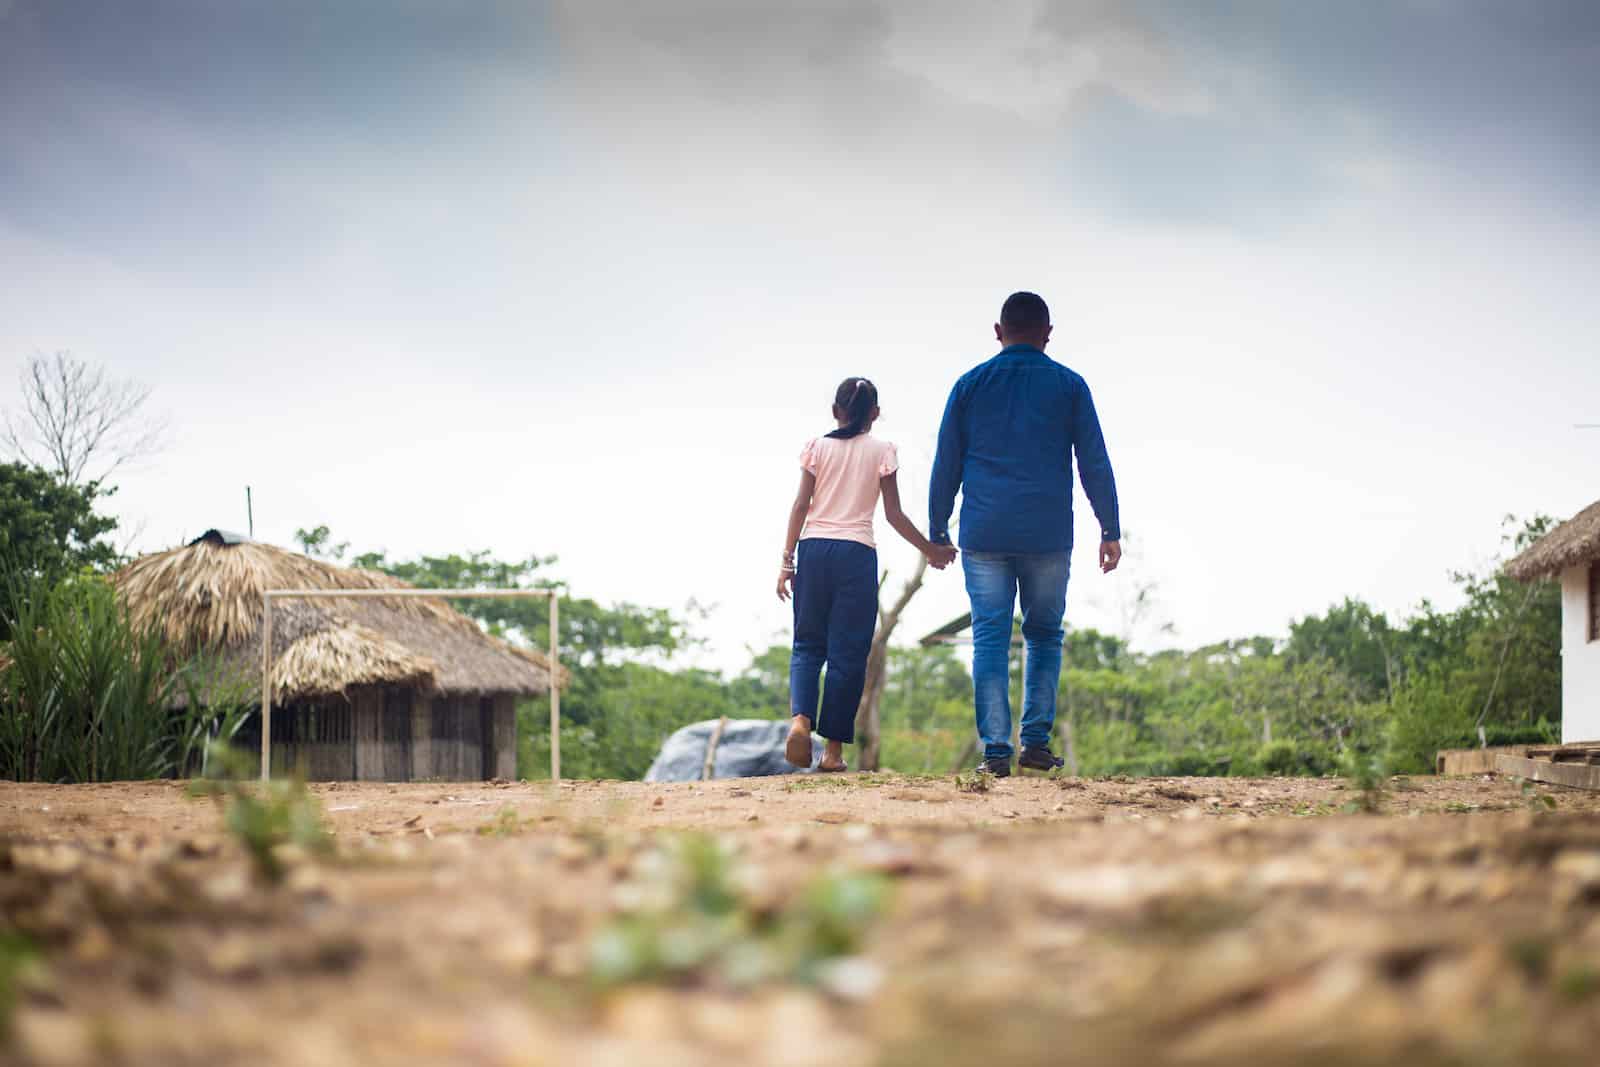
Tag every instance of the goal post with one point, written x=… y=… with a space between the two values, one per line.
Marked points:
x=268 y=596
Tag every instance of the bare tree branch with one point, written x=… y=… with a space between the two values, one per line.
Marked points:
x=77 y=422
x=868 y=726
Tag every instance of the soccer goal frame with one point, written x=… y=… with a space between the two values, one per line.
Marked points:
x=270 y=595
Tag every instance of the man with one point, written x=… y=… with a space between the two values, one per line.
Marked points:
x=1009 y=431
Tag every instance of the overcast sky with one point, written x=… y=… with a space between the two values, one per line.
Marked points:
x=580 y=278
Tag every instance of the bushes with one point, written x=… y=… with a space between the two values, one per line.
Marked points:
x=1427 y=714
x=88 y=696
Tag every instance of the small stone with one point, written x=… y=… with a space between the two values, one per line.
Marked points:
x=228 y=887
x=52 y=1037
x=658 y=802
x=93 y=945
x=47 y=859
x=234 y=956
x=644 y=1014
x=850 y=977
x=721 y=1022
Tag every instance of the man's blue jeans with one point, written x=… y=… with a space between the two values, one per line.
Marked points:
x=994 y=582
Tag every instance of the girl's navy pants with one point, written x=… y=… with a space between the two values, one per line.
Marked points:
x=835 y=611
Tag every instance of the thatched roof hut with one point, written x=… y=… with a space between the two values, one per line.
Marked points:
x=206 y=596
x=1574 y=542
x=369 y=687
x=1571 y=554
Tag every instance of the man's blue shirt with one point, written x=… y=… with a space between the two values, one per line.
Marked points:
x=1007 y=439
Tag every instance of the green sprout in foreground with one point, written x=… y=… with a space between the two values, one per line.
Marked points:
x=17 y=955
x=685 y=917
x=263 y=816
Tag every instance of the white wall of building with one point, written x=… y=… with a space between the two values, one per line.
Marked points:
x=1580 y=661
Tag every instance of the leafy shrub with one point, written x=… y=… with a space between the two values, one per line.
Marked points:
x=89 y=695
x=1427 y=714
x=1366 y=775
x=1278 y=758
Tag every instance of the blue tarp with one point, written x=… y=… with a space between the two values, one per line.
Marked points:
x=750 y=748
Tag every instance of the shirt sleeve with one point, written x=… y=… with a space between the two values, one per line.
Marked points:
x=947 y=468
x=1094 y=467
x=808 y=456
x=889 y=462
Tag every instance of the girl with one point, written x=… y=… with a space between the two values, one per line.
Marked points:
x=835 y=576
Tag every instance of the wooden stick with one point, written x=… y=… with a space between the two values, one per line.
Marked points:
x=432 y=594
x=711 y=749
x=266 y=686
x=555 y=690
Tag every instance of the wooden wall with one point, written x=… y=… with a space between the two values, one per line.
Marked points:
x=397 y=735
x=312 y=739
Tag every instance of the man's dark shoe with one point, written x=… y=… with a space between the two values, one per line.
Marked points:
x=1000 y=768
x=1040 y=758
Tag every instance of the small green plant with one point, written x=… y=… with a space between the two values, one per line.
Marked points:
x=1579 y=982
x=263 y=816
x=1531 y=953
x=1311 y=810
x=504 y=824
x=1364 y=774
x=17 y=955
x=974 y=782
x=1535 y=800
x=686 y=917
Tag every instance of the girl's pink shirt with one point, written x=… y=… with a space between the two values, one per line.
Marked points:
x=846 y=497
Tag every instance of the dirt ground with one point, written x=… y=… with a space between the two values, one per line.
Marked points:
x=1150 y=921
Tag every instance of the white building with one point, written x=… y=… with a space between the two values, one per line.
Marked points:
x=1572 y=552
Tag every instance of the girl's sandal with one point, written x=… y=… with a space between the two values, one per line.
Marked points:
x=823 y=768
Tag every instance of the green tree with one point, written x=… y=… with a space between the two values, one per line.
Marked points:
x=50 y=528
x=1356 y=639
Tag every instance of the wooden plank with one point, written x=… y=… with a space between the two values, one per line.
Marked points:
x=1571 y=775
x=1580 y=752
x=397 y=735
x=421 y=736
x=367 y=733
x=1474 y=760
x=505 y=736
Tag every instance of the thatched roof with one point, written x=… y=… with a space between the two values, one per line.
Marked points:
x=206 y=597
x=1573 y=542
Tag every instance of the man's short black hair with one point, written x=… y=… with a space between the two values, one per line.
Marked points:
x=1023 y=312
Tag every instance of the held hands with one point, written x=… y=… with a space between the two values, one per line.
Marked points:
x=940 y=556
x=1110 y=556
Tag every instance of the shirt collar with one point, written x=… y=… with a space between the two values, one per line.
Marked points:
x=1021 y=350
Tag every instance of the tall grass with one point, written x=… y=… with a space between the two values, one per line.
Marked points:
x=88 y=696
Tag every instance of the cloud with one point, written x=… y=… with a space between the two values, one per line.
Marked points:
x=186 y=131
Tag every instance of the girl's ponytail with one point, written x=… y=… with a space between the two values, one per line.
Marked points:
x=855 y=397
